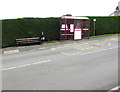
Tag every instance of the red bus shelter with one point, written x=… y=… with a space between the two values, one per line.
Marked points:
x=74 y=28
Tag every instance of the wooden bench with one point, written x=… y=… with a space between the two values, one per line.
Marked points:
x=22 y=41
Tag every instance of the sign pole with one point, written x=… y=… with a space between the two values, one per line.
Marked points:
x=94 y=26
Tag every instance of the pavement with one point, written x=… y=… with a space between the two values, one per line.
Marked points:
x=88 y=64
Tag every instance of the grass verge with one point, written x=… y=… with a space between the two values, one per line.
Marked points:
x=49 y=42
x=103 y=35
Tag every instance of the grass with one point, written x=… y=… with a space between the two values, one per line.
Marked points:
x=49 y=42
x=103 y=35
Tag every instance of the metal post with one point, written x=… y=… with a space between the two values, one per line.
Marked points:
x=88 y=28
x=65 y=29
x=94 y=26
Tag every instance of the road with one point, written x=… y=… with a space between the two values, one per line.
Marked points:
x=77 y=65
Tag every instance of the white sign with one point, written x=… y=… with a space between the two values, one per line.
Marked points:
x=77 y=35
x=71 y=27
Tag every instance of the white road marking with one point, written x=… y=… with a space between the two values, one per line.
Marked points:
x=98 y=51
x=71 y=53
x=42 y=48
x=33 y=50
x=87 y=52
x=50 y=60
x=25 y=65
x=116 y=88
x=109 y=44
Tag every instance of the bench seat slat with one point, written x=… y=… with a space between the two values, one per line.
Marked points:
x=27 y=40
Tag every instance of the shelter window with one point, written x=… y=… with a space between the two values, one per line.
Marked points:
x=85 y=25
x=70 y=21
x=78 y=24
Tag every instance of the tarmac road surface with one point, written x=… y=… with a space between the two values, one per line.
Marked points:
x=74 y=65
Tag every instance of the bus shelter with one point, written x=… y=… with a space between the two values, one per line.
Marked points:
x=75 y=28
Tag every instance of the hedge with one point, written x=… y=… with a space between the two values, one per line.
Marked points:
x=32 y=27
x=105 y=25
x=29 y=27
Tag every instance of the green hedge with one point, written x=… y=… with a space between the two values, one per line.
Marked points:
x=29 y=27
x=105 y=25
x=32 y=27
